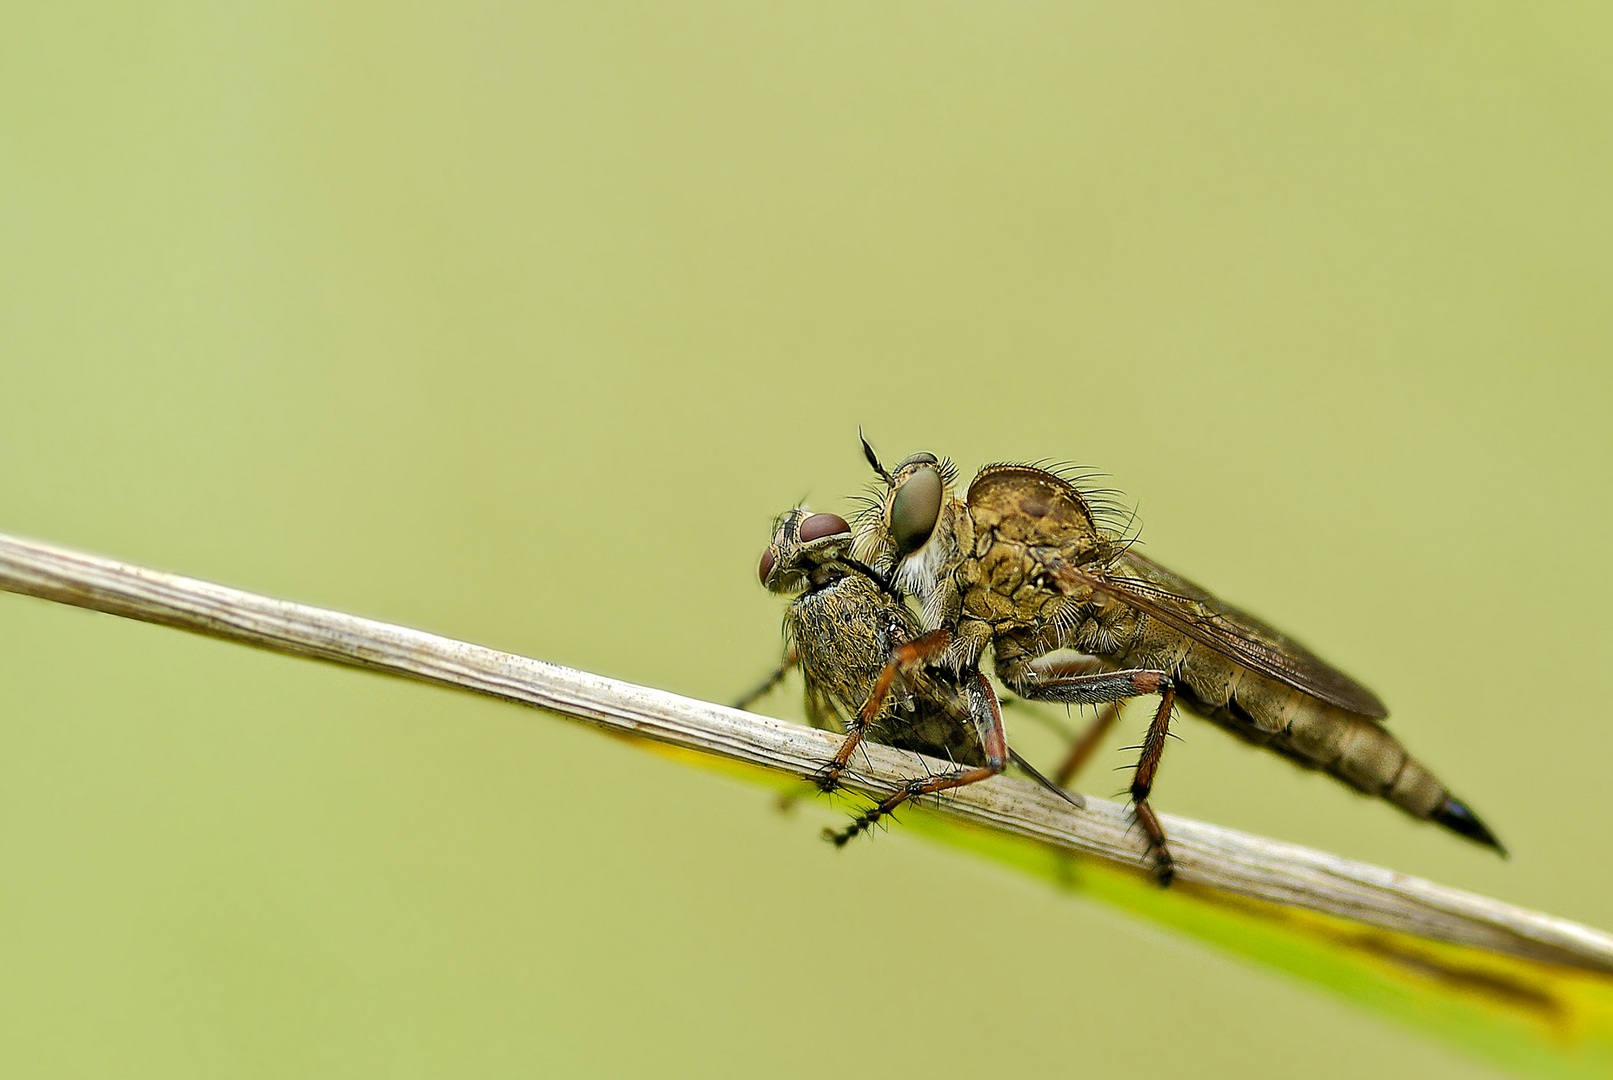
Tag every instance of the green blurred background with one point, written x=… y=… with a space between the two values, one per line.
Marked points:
x=519 y=323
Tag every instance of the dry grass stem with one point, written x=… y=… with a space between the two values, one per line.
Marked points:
x=1206 y=855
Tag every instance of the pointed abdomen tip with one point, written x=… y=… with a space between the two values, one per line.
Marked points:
x=1459 y=818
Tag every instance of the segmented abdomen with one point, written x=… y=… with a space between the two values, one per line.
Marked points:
x=1358 y=750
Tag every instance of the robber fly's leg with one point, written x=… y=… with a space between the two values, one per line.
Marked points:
x=908 y=657
x=1082 y=748
x=1105 y=687
x=1142 y=782
x=790 y=660
x=988 y=718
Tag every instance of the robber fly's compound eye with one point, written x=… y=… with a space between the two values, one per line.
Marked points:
x=919 y=459
x=915 y=509
x=766 y=568
x=818 y=526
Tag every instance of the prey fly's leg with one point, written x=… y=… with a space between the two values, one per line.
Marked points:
x=790 y=661
x=821 y=712
x=907 y=657
x=1086 y=687
x=988 y=717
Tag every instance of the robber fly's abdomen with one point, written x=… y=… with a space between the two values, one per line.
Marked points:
x=1357 y=749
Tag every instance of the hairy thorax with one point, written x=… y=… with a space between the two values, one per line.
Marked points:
x=844 y=633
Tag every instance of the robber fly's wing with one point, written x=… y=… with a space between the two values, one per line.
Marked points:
x=1150 y=588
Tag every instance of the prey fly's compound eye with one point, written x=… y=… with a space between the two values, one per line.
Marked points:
x=766 y=568
x=820 y=525
x=915 y=509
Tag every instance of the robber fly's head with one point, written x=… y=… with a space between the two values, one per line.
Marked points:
x=805 y=547
x=913 y=502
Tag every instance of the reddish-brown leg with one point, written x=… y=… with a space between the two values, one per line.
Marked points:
x=908 y=657
x=1142 y=783
x=989 y=722
x=1113 y=687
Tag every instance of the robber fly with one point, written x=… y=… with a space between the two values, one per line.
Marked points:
x=1073 y=615
x=851 y=633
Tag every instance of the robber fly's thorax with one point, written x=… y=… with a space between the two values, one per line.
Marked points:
x=1026 y=524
